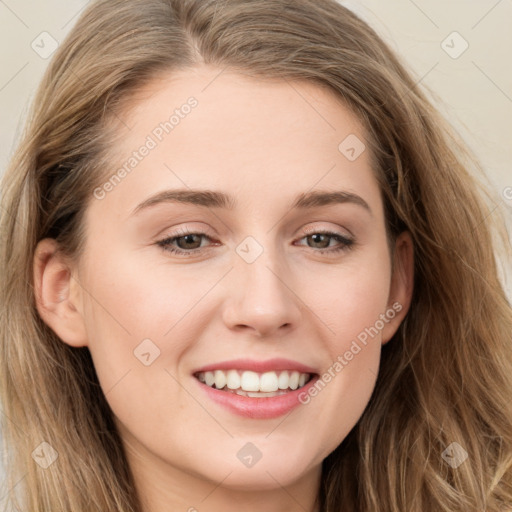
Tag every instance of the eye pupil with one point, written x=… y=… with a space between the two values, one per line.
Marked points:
x=189 y=239
x=317 y=238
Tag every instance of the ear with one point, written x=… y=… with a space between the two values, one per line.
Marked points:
x=402 y=284
x=57 y=294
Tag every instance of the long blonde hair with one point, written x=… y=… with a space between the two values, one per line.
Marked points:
x=445 y=377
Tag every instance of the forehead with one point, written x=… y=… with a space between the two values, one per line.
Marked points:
x=259 y=138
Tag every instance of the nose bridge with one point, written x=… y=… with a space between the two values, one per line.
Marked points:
x=260 y=296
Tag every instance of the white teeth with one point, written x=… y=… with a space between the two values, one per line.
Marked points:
x=220 y=379
x=233 y=379
x=269 y=382
x=294 y=380
x=283 y=380
x=209 y=378
x=248 y=383
x=263 y=395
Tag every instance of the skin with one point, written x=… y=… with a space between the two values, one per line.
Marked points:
x=264 y=142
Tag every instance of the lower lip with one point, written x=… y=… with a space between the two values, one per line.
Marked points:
x=258 y=408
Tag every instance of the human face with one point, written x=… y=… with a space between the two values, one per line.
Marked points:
x=256 y=283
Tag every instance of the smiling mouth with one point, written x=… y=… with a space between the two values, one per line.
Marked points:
x=253 y=384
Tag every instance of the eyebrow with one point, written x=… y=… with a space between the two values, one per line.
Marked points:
x=215 y=199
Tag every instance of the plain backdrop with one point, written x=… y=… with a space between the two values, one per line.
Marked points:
x=459 y=49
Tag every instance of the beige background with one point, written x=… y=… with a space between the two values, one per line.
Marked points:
x=474 y=89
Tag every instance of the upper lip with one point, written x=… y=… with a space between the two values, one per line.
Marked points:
x=258 y=366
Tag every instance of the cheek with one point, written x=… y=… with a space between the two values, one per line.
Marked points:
x=139 y=328
x=351 y=300
x=132 y=310
x=349 y=304
x=350 y=297
x=142 y=298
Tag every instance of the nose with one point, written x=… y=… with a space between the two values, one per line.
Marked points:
x=261 y=298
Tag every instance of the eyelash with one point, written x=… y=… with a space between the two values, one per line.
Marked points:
x=345 y=242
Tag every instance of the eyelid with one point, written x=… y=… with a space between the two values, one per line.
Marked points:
x=183 y=231
x=316 y=229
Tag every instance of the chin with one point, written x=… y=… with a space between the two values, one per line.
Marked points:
x=275 y=472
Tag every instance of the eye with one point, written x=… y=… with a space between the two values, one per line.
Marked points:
x=185 y=243
x=321 y=240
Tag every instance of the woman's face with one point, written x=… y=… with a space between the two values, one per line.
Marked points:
x=255 y=297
